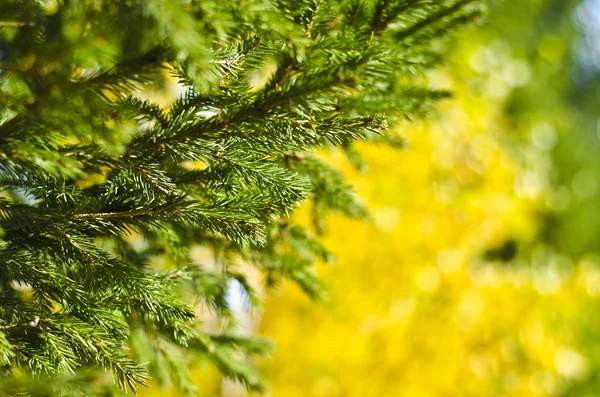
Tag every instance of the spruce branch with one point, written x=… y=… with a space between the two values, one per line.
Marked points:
x=106 y=193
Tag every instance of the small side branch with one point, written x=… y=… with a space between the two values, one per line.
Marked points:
x=15 y=24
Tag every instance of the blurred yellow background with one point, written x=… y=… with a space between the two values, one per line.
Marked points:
x=415 y=310
x=455 y=288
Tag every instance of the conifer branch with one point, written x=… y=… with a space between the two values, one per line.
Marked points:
x=99 y=183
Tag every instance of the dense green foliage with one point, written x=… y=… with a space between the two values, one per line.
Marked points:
x=105 y=193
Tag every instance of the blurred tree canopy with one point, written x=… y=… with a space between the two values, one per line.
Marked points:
x=480 y=274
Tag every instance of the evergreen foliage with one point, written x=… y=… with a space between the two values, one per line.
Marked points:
x=87 y=161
